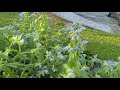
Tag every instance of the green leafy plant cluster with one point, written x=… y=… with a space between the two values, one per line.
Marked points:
x=34 y=48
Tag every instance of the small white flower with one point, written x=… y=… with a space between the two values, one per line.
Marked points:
x=112 y=64
x=7 y=27
x=46 y=71
x=71 y=49
x=76 y=48
x=36 y=39
x=66 y=48
x=85 y=42
x=39 y=45
x=71 y=73
x=53 y=69
x=38 y=64
x=30 y=77
x=60 y=55
x=21 y=15
x=51 y=77
x=73 y=39
x=18 y=76
x=71 y=29
x=78 y=37
x=52 y=59
x=49 y=53
x=18 y=32
x=87 y=68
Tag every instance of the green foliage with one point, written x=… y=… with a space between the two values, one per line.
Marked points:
x=34 y=48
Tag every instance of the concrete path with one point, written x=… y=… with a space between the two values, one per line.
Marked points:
x=96 y=20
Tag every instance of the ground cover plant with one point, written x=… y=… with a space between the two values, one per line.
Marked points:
x=106 y=45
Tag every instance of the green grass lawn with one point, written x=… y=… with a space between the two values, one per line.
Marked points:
x=106 y=45
x=6 y=18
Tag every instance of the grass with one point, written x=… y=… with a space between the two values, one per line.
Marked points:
x=106 y=45
x=6 y=18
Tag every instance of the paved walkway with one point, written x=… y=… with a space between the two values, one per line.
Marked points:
x=96 y=20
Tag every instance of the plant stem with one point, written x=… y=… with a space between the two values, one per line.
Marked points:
x=19 y=55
